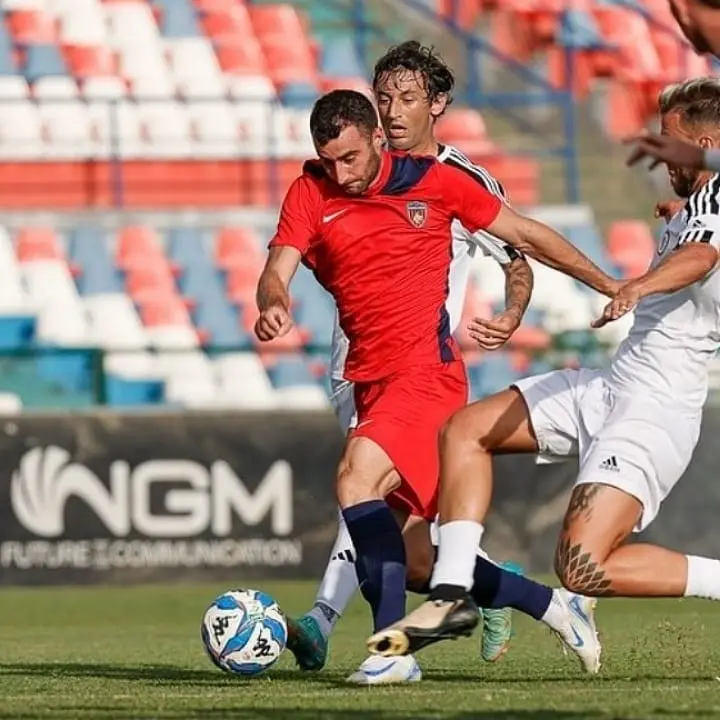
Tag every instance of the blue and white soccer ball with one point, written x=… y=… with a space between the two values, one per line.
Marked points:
x=244 y=632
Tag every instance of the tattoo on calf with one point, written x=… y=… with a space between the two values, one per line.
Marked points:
x=578 y=570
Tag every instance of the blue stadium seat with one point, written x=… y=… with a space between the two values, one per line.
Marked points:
x=298 y=95
x=202 y=283
x=179 y=19
x=16 y=331
x=579 y=30
x=291 y=370
x=43 y=61
x=492 y=374
x=71 y=371
x=186 y=246
x=87 y=247
x=340 y=58
x=7 y=61
x=125 y=392
x=317 y=315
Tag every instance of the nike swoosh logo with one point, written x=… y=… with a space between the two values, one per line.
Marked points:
x=579 y=642
x=328 y=218
x=380 y=671
x=577 y=608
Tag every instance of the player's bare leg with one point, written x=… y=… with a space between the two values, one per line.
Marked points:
x=500 y=424
x=592 y=559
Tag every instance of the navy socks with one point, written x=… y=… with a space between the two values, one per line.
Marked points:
x=380 y=561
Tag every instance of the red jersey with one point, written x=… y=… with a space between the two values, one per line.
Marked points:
x=385 y=256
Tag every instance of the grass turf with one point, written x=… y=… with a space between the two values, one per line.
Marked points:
x=135 y=652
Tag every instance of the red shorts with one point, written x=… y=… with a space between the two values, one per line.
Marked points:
x=403 y=414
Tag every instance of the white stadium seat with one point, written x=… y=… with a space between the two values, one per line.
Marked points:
x=243 y=382
x=68 y=128
x=86 y=27
x=20 y=132
x=13 y=87
x=10 y=404
x=214 y=127
x=55 y=88
x=114 y=323
x=104 y=88
x=302 y=397
x=168 y=129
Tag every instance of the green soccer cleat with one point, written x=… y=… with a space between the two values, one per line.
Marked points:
x=307 y=643
x=497 y=626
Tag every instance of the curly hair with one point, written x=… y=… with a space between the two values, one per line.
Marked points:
x=339 y=109
x=417 y=58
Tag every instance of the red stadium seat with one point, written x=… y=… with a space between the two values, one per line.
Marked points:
x=237 y=248
x=31 y=27
x=162 y=310
x=630 y=245
x=150 y=278
x=86 y=61
x=38 y=243
x=460 y=125
x=138 y=246
x=240 y=55
x=241 y=284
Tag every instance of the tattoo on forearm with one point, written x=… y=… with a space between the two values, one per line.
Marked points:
x=578 y=571
x=518 y=286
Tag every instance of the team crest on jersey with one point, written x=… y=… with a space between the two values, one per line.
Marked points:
x=417 y=213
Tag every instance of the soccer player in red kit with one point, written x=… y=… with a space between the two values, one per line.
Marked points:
x=374 y=228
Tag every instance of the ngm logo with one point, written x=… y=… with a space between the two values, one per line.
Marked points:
x=46 y=479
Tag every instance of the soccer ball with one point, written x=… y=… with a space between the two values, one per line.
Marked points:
x=244 y=632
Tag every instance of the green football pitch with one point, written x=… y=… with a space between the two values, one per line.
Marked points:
x=135 y=652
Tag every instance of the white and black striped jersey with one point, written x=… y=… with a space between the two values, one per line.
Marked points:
x=675 y=335
x=465 y=245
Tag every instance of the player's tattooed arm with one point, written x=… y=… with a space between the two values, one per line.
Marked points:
x=518 y=286
x=550 y=248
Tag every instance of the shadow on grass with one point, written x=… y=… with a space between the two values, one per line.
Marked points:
x=264 y=713
x=172 y=675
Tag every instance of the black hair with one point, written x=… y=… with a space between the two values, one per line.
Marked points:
x=417 y=58
x=339 y=109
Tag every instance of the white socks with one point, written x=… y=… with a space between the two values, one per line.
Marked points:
x=555 y=616
x=457 y=552
x=703 y=580
x=339 y=583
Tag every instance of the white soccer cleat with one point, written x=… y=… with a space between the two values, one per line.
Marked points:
x=378 y=670
x=578 y=632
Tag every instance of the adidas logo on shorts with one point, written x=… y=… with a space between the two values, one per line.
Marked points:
x=610 y=463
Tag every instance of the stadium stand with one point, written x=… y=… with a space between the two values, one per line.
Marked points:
x=205 y=103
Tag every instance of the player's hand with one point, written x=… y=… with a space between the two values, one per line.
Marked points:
x=624 y=301
x=665 y=209
x=494 y=333
x=663 y=148
x=274 y=322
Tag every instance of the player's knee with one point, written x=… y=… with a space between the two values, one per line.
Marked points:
x=355 y=485
x=455 y=434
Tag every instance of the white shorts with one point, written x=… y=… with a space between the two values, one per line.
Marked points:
x=636 y=444
x=342 y=399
